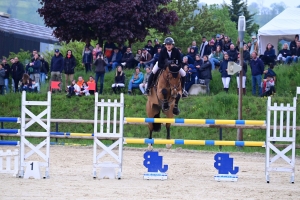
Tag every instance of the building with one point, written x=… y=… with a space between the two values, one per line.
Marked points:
x=16 y=34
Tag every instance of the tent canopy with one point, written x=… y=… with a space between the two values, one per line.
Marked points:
x=282 y=27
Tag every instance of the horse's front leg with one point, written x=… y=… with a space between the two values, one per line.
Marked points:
x=168 y=125
x=150 y=126
x=176 y=110
x=165 y=106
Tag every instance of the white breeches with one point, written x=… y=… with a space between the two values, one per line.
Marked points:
x=243 y=82
x=155 y=69
x=226 y=81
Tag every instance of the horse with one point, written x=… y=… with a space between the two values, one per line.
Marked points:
x=164 y=97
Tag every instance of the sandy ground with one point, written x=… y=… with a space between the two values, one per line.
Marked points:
x=190 y=177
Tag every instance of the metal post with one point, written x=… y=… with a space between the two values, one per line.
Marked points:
x=221 y=138
x=241 y=31
x=2 y=127
x=56 y=129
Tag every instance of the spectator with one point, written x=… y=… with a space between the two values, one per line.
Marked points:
x=191 y=74
x=69 y=67
x=44 y=69
x=156 y=46
x=57 y=66
x=285 y=54
x=155 y=58
x=216 y=58
x=143 y=86
x=218 y=42
x=204 y=72
x=25 y=83
x=2 y=76
x=246 y=54
x=17 y=71
x=198 y=62
x=114 y=61
x=128 y=59
x=80 y=81
x=211 y=47
x=119 y=80
x=249 y=44
x=257 y=69
x=224 y=73
x=12 y=61
x=136 y=79
x=74 y=89
x=227 y=44
x=145 y=59
x=204 y=47
x=108 y=49
x=100 y=64
x=181 y=54
x=33 y=53
x=194 y=46
x=85 y=89
x=268 y=86
x=270 y=71
x=298 y=50
x=192 y=55
x=91 y=81
x=87 y=59
x=88 y=45
x=293 y=48
x=185 y=60
x=36 y=65
x=98 y=50
x=7 y=74
x=232 y=53
x=254 y=45
x=244 y=71
x=149 y=48
x=137 y=57
x=269 y=55
x=122 y=48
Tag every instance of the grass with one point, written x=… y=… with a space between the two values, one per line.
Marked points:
x=218 y=105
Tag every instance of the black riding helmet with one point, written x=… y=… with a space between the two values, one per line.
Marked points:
x=169 y=40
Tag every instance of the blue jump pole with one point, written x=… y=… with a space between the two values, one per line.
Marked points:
x=8 y=143
x=9 y=131
x=9 y=119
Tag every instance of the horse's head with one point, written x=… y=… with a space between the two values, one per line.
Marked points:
x=169 y=83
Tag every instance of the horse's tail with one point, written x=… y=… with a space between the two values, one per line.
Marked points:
x=156 y=126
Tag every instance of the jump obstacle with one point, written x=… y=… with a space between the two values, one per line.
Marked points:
x=111 y=111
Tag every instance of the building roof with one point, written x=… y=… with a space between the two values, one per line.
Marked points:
x=18 y=27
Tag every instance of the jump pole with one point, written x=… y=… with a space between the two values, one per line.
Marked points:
x=194 y=142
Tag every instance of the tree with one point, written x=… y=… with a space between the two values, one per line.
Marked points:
x=238 y=8
x=277 y=8
x=114 y=20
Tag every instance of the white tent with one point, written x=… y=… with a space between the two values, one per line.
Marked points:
x=282 y=27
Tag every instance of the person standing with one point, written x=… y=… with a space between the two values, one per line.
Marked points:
x=2 y=75
x=44 y=69
x=69 y=67
x=57 y=66
x=17 y=71
x=257 y=69
x=224 y=72
x=100 y=64
x=7 y=73
x=87 y=59
x=36 y=65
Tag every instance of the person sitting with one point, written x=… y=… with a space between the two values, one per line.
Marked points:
x=285 y=54
x=155 y=58
x=145 y=59
x=204 y=72
x=246 y=54
x=80 y=81
x=271 y=72
x=227 y=44
x=149 y=48
x=136 y=79
x=73 y=89
x=91 y=81
x=137 y=57
x=128 y=59
x=191 y=54
x=198 y=62
x=25 y=83
x=211 y=47
x=269 y=55
x=143 y=85
x=191 y=73
x=119 y=80
x=232 y=53
x=216 y=58
x=114 y=61
x=85 y=89
x=218 y=42
x=268 y=86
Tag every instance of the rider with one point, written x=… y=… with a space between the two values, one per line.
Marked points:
x=167 y=55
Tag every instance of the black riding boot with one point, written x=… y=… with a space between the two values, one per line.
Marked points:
x=114 y=89
x=149 y=84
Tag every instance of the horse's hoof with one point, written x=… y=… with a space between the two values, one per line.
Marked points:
x=176 y=111
x=168 y=146
x=150 y=147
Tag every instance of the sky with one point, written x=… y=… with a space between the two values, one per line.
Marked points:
x=266 y=3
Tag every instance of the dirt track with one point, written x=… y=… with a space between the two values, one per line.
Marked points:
x=190 y=177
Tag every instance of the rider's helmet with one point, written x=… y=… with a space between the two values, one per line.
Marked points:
x=169 y=40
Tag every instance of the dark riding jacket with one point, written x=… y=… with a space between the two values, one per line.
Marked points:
x=164 y=56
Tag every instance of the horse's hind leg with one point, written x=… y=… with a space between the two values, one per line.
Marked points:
x=176 y=110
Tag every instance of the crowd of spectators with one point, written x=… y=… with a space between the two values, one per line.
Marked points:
x=198 y=63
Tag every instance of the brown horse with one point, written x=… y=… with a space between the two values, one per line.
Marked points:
x=164 y=96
